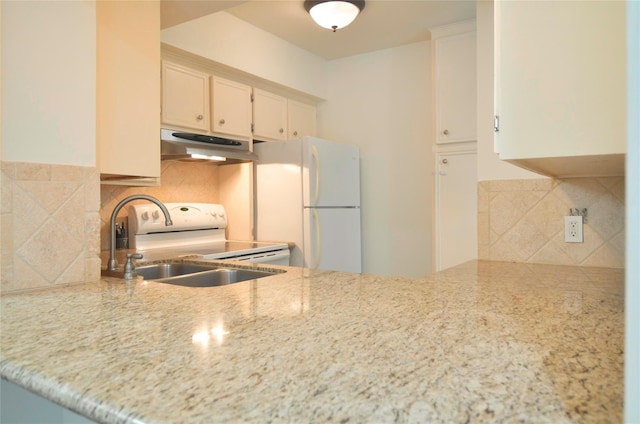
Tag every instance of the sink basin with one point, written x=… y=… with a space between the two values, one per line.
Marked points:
x=168 y=270
x=216 y=277
x=195 y=275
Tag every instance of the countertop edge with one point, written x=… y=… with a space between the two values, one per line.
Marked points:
x=65 y=396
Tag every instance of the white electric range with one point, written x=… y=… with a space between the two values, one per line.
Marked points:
x=198 y=229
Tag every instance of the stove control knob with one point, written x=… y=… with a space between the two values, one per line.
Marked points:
x=222 y=215
x=155 y=214
x=213 y=214
x=145 y=215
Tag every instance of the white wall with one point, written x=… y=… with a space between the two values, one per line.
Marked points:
x=490 y=167
x=382 y=102
x=226 y=39
x=49 y=82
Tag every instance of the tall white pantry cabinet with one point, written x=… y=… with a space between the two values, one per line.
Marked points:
x=560 y=86
x=455 y=193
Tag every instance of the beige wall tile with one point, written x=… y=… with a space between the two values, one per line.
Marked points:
x=6 y=189
x=579 y=192
x=67 y=173
x=25 y=277
x=548 y=216
x=70 y=216
x=45 y=239
x=483 y=197
x=32 y=172
x=605 y=256
x=483 y=228
x=28 y=215
x=551 y=253
x=503 y=215
x=6 y=250
x=526 y=221
x=91 y=189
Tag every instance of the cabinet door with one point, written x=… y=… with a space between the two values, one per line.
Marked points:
x=269 y=116
x=231 y=102
x=560 y=79
x=456 y=208
x=301 y=119
x=127 y=95
x=455 y=76
x=185 y=97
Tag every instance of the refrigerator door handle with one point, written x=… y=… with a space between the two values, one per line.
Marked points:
x=316 y=257
x=316 y=158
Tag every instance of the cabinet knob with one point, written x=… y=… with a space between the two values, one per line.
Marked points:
x=199 y=117
x=295 y=133
x=445 y=132
x=281 y=130
x=222 y=121
x=445 y=161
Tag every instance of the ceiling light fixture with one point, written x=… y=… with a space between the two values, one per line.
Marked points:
x=334 y=14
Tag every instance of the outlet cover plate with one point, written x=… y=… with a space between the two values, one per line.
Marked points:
x=573 y=229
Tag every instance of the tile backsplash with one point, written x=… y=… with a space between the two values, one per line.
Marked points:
x=49 y=228
x=523 y=221
x=54 y=219
x=180 y=182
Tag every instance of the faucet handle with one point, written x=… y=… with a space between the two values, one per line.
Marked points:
x=129 y=267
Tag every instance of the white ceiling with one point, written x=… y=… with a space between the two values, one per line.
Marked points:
x=382 y=23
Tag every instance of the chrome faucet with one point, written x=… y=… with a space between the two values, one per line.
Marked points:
x=112 y=265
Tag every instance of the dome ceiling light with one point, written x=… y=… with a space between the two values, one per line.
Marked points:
x=334 y=14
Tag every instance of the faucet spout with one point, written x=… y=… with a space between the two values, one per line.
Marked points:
x=112 y=265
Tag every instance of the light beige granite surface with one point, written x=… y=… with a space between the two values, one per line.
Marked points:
x=481 y=342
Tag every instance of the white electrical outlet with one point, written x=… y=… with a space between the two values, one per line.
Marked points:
x=573 y=229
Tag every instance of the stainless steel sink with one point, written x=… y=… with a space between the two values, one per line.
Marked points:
x=195 y=275
x=168 y=270
x=216 y=277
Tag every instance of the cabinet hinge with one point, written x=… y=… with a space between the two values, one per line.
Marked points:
x=252 y=127
x=496 y=123
x=251 y=97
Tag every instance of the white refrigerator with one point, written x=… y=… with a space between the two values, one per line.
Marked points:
x=308 y=193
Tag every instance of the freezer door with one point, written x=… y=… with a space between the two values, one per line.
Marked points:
x=331 y=173
x=332 y=239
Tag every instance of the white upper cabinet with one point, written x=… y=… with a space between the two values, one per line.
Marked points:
x=269 y=116
x=455 y=82
x=560 y=86
x=128 y=99
x=231 y=108
x=196 y=99
x=185 y=97
x=301 y=119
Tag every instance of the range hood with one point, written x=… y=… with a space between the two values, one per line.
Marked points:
x=184 y=146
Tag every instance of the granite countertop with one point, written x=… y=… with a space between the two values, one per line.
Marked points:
x=480 y=342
